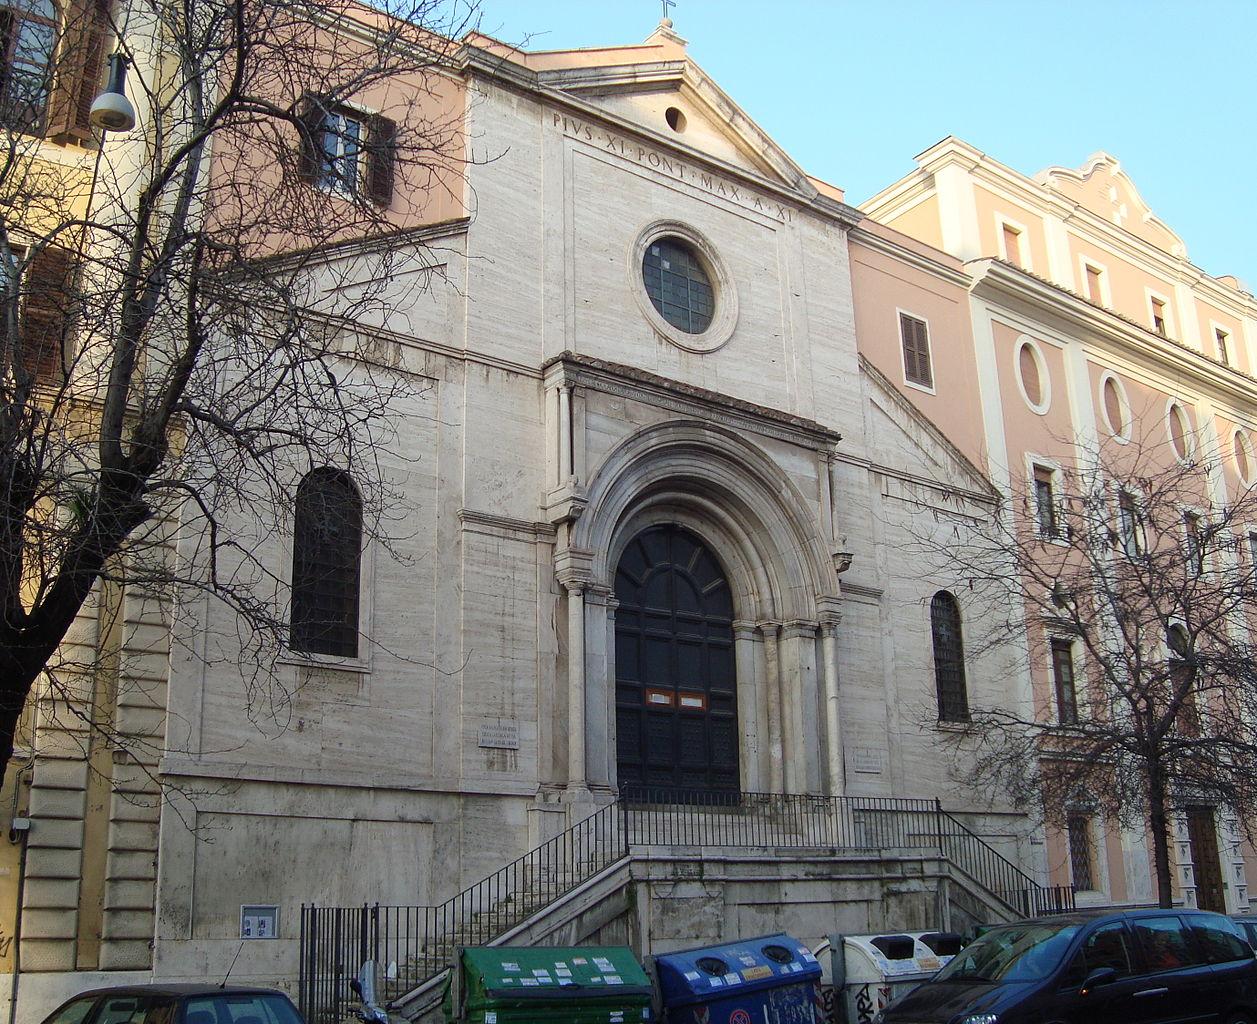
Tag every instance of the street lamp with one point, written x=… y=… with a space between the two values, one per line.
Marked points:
x=111 y=110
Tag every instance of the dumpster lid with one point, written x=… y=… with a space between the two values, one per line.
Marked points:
x=555 y=973
x=707 y=972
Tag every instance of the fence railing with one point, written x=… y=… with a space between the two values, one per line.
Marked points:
x=423 y=940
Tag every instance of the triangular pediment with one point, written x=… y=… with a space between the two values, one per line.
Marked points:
x=902 y=438
x=649 y=85
x=1102 y=187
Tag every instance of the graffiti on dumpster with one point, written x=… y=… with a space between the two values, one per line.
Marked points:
x=869 y=999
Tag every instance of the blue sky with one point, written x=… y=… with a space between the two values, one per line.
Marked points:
x=853 y=90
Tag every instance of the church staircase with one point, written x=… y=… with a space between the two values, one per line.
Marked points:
x=414 y=946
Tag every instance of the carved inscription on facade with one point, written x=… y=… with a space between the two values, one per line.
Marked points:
x=669 y=166
x=499 y=736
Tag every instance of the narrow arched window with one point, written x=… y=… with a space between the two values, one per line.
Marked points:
x=949 y=658
x=326 y=555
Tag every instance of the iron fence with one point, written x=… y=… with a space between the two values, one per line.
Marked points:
x=419 y=942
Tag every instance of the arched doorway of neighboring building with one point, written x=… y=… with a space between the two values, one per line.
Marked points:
x=675 y=683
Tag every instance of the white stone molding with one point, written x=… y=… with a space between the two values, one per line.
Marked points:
x=724 y=289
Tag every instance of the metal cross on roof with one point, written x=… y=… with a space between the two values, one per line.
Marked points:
x=666 y=5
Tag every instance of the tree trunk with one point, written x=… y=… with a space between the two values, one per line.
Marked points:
x=1159 y=827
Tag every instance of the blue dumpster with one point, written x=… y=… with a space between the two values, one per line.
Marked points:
x=770 y=980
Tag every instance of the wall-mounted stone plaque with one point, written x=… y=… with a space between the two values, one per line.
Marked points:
x=867 y=760
x=499 y=735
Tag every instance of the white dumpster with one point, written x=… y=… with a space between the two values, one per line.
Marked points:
x=871 y=970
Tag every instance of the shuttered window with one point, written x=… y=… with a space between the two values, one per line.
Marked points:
x=327 y=545
x=1095 y=289
x=1045 y=502
x=28 y=33
x=1012 y=245
x=1063 y=680
x=79 y=73
x=45 y=295
x=347 y=151
x=917 y=368
x=949 y=658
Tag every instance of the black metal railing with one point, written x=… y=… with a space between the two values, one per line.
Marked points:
x=421 y=941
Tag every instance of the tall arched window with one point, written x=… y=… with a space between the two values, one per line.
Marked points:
x=326 y=554
x=949 y=658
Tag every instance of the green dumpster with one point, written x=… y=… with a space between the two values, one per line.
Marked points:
x=549 y=985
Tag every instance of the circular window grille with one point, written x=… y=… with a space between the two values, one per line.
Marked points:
x=1115 y=408
x=678 y=285
x=1180 y=432
x=683 y=287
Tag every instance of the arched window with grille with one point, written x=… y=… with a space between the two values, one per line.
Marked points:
x=326 y=564
x=949 y=658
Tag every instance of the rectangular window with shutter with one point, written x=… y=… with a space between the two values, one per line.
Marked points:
x=1045 y=502
x=915 y=338
x=1159 y=322
x=1224 y=346
x=1063 y=680
x=1095 y=285
x=1012 y=245
x=348 y=151
x=45 y=293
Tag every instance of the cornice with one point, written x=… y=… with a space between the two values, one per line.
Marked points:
x=573 y=369
x=891 y=248
x=994 y=280
x=801 y=193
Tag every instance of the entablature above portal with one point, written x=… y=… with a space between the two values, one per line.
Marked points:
x=573 y=370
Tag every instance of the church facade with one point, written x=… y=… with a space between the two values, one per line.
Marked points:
x=682 y=412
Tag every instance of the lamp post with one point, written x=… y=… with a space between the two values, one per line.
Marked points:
x=111 y=110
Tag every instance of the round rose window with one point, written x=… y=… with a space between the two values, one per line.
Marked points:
x=678 y=285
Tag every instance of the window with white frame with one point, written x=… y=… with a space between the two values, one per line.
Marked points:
x=914 y=334
x=1129 y=525
x=1094 y=283
x=1223 y=340
x=1063 y=680
x=1045 y=502
x=1081 y=851
x=1158 y=309
x=1194 y=548
x=1012 y=241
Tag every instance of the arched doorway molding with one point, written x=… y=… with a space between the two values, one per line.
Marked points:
x=786 y=596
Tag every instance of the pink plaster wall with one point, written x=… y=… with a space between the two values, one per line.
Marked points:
x=881 y=286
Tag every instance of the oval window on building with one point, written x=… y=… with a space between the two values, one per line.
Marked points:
x=1033 y=377
x=1243 y=455
x=1180 y=431
x=1114 y=402
x=678 y=285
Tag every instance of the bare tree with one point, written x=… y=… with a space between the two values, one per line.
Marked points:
x=1120 y=585
x=179 y=328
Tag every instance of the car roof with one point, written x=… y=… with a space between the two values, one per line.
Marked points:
x=180 y=989
x=1081 y=917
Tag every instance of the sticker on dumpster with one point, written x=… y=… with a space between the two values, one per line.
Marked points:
x=538 y=972
x=511 y=967
x=807 y=956
x=739 y=1016
x=747 y=961
x=755 y=973
x=604 y=965
x=579 y=960
x=508 y=981
x=490 y=1017
x=732 y=978
x=692 y=975
x=717 y=982
x=563 y=972
x=613 y=979
x=529 y=981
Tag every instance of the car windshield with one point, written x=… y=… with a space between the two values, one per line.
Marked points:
x=1018 y=952
x=240 y=1008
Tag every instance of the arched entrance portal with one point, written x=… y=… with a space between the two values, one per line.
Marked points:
x=675 y=683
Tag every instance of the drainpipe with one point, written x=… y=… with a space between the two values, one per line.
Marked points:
x=19 y=832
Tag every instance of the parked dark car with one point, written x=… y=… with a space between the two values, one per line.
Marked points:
x=1124 y=967
x=177 y=1004
x=1248 y=927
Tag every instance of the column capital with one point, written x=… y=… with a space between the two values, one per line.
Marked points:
x=573 y=568
x=829 y=626
x=769 y=628
x=799 y=627
x=744 y=629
